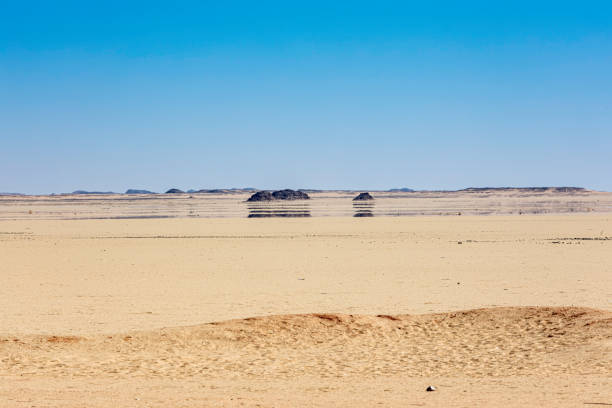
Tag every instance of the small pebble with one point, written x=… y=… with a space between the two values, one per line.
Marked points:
x=430 y=388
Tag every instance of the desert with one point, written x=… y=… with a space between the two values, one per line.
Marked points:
x=103 y=306
x=305 y=204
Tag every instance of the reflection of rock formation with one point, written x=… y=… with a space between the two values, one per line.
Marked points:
x=278 y=209
x=363 y=208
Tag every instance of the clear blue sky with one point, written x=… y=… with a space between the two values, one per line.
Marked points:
x=372 y=95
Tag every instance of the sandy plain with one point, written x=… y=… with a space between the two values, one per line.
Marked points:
x=500 y=310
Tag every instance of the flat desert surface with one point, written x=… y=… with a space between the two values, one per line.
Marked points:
x=511 y=201
x=499 y=310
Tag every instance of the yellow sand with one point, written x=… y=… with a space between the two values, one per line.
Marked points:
x=108 y=313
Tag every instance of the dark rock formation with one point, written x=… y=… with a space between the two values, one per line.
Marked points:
x=174 y=191
x=261 y=196
x=363 y=197
x=134 y=191
x=279 y=195
x=288 y=194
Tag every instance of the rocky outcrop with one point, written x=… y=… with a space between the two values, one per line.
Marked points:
x=261 y=196
x=286 y=194
x=363 y=197
x=174 y=191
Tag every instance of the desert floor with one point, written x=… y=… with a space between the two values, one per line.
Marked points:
x=321 y=204
x=323 y=311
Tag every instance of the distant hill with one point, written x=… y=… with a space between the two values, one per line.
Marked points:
x=528 y=189
x=92 y=192
x=402 y=190
x=222 y=190
x=250 y=190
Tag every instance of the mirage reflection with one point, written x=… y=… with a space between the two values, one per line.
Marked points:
x=278 y=209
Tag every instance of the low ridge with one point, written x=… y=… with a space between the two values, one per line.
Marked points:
x=483 y=342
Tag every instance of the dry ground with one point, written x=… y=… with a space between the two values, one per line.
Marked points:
x=349 y=312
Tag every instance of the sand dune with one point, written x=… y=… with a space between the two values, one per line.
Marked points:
x=307 y=353
x=482 y=342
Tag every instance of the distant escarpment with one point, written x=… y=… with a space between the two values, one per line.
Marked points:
x=363 y=197
x=286 y=194
x=134 y=191
x=401 y=190
x=174 y=191
x=529 y=189
x=222 y=190
x=92 y=192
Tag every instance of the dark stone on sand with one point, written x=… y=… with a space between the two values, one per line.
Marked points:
x=174 y=191
x=279 y=195
x=430 y=388
x=363 y=197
